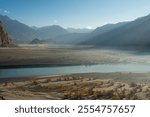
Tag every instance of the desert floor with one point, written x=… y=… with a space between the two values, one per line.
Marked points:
x=44 y=55
x=108 y=86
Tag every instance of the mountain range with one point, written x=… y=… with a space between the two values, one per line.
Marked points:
x=130 y=34
x=125 y=34
x=22 y=33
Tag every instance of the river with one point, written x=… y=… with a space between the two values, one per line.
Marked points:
x=101 y=68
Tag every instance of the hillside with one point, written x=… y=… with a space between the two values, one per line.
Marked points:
x=132 y=34
x=18 y=31
x=5 y=41
x=79 y=38
x=23 y=33
x=51 y=31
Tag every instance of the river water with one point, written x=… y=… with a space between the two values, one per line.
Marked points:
x=101 y=68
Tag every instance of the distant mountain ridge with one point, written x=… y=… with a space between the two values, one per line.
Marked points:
x=18 y=31
x=132 y=34
x=79 y=30
x=125 y=34
x=23 y=33
x=51 y=31
x=81 y=38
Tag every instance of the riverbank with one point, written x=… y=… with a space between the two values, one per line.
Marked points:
x=79 y=86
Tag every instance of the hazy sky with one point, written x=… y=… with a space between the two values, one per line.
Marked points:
x=74 y=13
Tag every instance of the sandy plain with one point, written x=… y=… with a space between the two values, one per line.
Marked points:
x=100 y=86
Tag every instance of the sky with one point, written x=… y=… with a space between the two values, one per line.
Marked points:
x=74 y=13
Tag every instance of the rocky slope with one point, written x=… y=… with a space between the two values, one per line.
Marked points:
x=5 y=41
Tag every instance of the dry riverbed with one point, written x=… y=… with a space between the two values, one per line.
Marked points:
x=41 y=55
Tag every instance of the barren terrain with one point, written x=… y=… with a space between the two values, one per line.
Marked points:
x=112 y=86
x=75 y=86
x=44 y=55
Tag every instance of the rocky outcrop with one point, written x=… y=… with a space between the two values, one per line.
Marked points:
x=5 y=41
x=37 y=41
